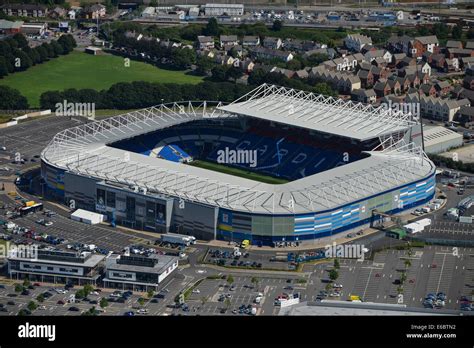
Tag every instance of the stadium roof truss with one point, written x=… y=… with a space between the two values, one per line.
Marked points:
x=83 y=150
x=320 y=113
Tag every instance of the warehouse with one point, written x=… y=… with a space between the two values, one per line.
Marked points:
x=439 y=139
x=224 y=9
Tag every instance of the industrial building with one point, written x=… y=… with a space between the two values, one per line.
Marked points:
x=440 y=139
x=224 y=9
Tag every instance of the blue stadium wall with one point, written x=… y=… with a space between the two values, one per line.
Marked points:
x=266 y=229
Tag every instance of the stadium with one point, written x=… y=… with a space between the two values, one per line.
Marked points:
x=277 y=164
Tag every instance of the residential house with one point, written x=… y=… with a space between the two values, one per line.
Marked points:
x=371 y=55
x=470 y=45
x=436 y=108
x=382 y=88
x=468 y=82
x=422 y=44
x=342 y=81
x=24 y=10
x=366 y=78
x=247 y=65
x=451 y=65
x=397 y=58
x=380 y=62
x=442 y=88
x=58 y=12
x=205 y=42
x=355 y=42
x=407 y=61
x=453 y=44
x=366 y=96
x=302 y=74
x=465 y=116
x=467 y=62
x=273 y=43
x=250 y=41
x=428 y=89
x=426 y=69
x=399 y=44
x=459 y=52
x=95 y=11
x=437 y=61
x=267 y=53
x=228 y=40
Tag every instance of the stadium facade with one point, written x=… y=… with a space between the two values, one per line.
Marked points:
x=337 y=165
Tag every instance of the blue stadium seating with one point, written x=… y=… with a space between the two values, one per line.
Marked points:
x=301 y=154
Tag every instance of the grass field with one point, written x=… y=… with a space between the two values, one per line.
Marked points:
x=238 y=172
x=80 y=70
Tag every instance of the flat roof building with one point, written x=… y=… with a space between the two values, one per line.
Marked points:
x=138 y=272
x=224 y=9
x=57 y=266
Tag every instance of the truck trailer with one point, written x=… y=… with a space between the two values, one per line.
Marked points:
x=179 y=239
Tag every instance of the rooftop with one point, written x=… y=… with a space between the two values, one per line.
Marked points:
x=319 y=113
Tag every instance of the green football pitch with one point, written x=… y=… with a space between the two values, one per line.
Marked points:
x=238 y=172
x=81 y=70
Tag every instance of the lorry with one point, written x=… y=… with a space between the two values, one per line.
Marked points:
x=179 y=239
x=245 y=244
x=414 y=227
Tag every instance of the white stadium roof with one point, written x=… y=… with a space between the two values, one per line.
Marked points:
x=83 y=150
x=320 y=113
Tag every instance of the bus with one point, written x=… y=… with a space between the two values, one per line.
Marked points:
x=31 y=209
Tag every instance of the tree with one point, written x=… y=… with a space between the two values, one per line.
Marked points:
x=58 y=49
x=470 y=34
x=333 y=274
x=204 y=300
x=457 y=32
x=212 y=28
x=336 y=263
x=254 y=280
x=141 y=301
x=21 y=40
x=182 y=58
x=88 y=289
x=40 y=298
x=18 y=287
x=80 y=293
x=150 y=293
x=22 y=61
x=103 y=303
x=230 y=279
x=219 y=73
x=277 y=25
x=32 y=306
x=227 y=303
x=233 y=73
x=407 y=263
x=204 y=65
x=26 y=283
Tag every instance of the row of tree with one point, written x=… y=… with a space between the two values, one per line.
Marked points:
x=176 y=57
x=17 y=55
x=144 y=94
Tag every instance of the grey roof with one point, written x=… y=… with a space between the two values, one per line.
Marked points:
x=453 y=44
x=425 y=40
x=228 y=38
x=84 y=150
x=164 y=262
